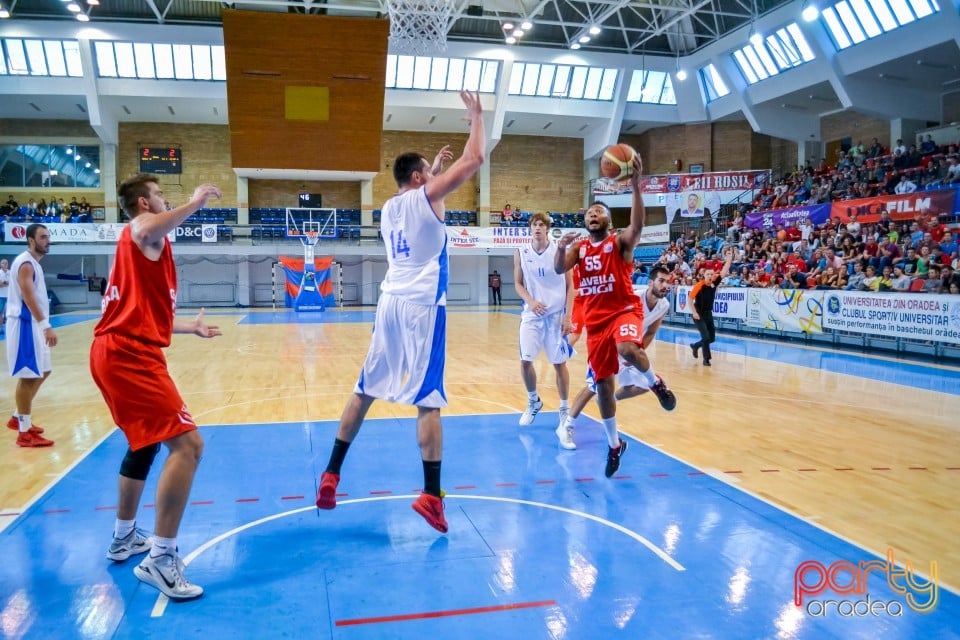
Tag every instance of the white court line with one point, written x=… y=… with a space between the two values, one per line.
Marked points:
x=161 y=604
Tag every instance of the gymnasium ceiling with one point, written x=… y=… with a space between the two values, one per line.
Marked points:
x=627 y=26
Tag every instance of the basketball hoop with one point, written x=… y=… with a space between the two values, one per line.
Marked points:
x=418 y=27
x=312 y=237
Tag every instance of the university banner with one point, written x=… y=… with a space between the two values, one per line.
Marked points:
x=794 y=310
x=519 y=237
x=730 y=302
x=897 y=315
x=678 y=182
x=906 y=206
x=816 y=213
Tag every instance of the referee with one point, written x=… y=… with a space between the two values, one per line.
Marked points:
x=701 y=303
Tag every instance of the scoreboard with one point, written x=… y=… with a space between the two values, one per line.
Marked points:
x=160 y=160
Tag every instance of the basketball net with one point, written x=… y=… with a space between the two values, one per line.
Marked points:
x=418 y=27
x=309 y=240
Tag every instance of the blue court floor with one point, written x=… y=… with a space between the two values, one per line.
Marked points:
x=541 y=545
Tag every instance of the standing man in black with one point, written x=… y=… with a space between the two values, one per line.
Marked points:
x=701 y=304
x=495 y=282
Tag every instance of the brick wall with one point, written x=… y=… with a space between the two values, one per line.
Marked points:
x=660 y=147
x=537 y=173
x=205 y=152
x=284 y=193
x=856 y=126
x=783 y=155
x=47 y=128
x=426 y=143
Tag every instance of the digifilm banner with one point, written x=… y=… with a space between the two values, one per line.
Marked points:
x=897 y=315
x=794 y=310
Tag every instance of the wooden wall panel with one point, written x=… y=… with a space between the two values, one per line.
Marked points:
x=268 y=52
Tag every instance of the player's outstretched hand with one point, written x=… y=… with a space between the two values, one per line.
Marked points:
x=568 y=239
x=471 y=99
x=203 y=193
x=205 y=330
x=637 y=172
x=443 y=155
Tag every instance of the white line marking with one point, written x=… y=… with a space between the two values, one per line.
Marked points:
x=161 y=604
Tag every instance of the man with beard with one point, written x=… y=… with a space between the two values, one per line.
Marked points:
x=632 y=382
x=613 y=313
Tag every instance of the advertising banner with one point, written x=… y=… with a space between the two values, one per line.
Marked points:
x=674 y=183
x=59 y=231
x=817 y=214
x=518 y=237
x=730 y=302
x=794 y=310
x=905 y=206
x=897 y=315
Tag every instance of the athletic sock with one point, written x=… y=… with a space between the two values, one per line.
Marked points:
x=162 y=546
x=337 y=455
x=610 y=426
x=431 y=477
x=122 y=528
x=533 y=396
x=649 y=375
x=25 y=423
x=564 y=405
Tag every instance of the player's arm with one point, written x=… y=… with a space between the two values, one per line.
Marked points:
x=726 y=265
x=151 y=229
x=692 y=300
x=25 y=278
x=568 y=307
x=474 y=153
x=197 y=326
x=443 y=155
x=564 y=260
x=630 y=236
x=651 y=333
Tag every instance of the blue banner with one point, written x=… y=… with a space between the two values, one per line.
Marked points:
x=817 y=214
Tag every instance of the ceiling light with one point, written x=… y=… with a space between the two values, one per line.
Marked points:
x=575 y=46
x=4 y=13
x=756 y=40
x=511 y=40
x=87 y=165
x=584 y=39
x=69 y=151
x=681 y=75
x=518 y=33
x=810 y=12
x=96 y=170
x=527 y=25
x=93 y=3
x=74 y=7
x=82 y=17
x=594 y=30
x=507 y=26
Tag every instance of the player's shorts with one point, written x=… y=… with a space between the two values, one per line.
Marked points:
x=576 y=317
x=546 y=333
x=28 y=355
x=628 y=376
x=407 y=354
x=602 y=342
x=138 y=389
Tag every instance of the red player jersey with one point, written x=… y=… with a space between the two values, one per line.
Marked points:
x=604 y=282
x=141 y=296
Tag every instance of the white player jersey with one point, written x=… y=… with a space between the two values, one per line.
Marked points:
x=416 y=239
x=15 y=306
x=652 y=315
x=541 y=279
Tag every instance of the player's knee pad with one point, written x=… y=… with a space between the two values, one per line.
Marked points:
x=136 y=464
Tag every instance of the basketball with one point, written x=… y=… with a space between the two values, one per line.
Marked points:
x=617 y=161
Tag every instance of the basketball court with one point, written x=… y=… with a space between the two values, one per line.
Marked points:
x=777 y=456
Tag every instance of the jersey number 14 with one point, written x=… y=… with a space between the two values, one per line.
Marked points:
x=398 y=245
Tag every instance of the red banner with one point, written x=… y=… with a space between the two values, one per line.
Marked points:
x=905 y=206
x=678 y=182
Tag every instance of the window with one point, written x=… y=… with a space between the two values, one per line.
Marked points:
x=780 y=51
x=33 y=57
x=651 y=87
x=713 y=84
x=44 y=165
x=441 y=74
x=563 y=81
x=851 y=22
x=143 y=60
